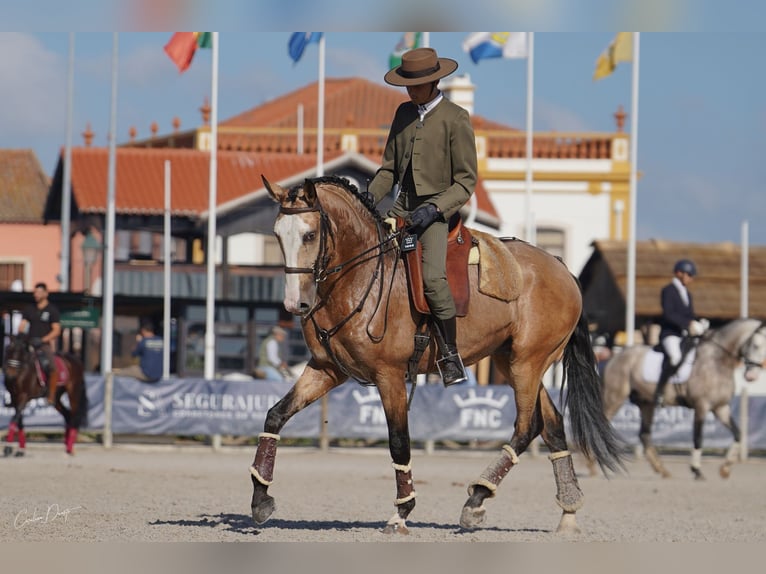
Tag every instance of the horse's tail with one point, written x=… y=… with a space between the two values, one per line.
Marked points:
x=80 y=418
x=591 y=430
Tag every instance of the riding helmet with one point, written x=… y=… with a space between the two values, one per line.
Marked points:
x=685 y=266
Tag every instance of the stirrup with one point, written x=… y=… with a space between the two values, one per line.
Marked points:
x=451 y=369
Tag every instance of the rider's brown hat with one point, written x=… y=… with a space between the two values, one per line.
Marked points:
x=420 y=66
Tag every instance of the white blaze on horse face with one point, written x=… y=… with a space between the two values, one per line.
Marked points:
x=300 y=289
x=755 y=353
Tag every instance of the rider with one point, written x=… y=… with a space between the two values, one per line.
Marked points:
x=42 y=325
x=431 y=154
x=677 y=321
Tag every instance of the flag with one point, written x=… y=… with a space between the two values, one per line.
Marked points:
x=299 y=41
x=482 y=45
x=409 y=41
x=620 y=50
x=183 y=45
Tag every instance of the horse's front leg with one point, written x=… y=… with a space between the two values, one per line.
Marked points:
x=696 y=462
x=645 y=436
x=16 y=427
x=312 y=385
x=393 y=395
x=734 y=454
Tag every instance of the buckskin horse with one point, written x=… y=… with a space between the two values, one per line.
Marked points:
x=344 y=279
x=21 y=372
x=710 y=387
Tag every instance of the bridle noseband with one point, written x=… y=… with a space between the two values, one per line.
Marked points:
x=320 y=262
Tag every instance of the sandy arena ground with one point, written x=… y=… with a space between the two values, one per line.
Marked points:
x=163 y=493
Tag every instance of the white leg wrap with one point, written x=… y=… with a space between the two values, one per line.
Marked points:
x=402 y=467
x=557 y=455
x=697 y=457
x=514 y=457
x=259 y=478
x=410 y=496
x=269 y=435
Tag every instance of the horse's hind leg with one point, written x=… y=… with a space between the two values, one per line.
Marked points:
x=568 y=494
x=734 y=454
x=645 y=435
x=696 y=463
x=528 y=425
x=311 y=385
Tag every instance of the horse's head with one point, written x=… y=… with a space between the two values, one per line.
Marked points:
x=16 y=357
x=302 y=233
x=753 y=353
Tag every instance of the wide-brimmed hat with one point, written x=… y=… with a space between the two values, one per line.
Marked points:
x=420 y=66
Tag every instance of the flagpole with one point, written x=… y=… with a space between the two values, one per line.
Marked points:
x=530 y=225
x=166 y=278
x=107 y=284
x=66 y=184
x=630 y=297
x=320 y=109
x=426 y=39
x=211 y=221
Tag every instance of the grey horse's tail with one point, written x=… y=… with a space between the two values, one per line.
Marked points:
x=591 y=430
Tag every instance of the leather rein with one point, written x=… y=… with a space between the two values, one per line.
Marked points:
x=740 y=354
x=321 y=272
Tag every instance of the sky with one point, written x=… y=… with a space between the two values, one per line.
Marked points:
x=702 y=110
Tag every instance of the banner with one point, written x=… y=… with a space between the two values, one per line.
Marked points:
x=196 y=407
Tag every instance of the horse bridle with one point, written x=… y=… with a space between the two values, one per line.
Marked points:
x=740 y=355
x=320 y=273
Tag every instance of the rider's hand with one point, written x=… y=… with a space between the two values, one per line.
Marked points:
x=422 y=217
x=696 y=328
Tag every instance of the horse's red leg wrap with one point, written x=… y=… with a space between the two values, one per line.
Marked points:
x=22 y=439
x=263 y=464
x=405 y=489
x=568 y=496
x=496 y=471
x=12 y=430
x=70 y=437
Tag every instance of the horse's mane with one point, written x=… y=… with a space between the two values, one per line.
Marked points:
x=346 y=185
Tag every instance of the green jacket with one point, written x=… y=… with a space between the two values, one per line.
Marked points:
x=443 y=152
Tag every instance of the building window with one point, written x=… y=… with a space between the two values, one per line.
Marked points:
x=552 y=240
x=10 y=272
x=272 y=254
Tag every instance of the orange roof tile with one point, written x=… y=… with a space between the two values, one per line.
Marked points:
x=23 y=187
x=140 y=177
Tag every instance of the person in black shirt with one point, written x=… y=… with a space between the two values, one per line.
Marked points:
x=42 y=325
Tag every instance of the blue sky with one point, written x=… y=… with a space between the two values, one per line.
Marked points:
x=702 y=112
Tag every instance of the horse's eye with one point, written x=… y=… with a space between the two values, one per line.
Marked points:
x=309 y=236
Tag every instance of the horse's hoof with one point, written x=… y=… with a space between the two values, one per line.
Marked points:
x=263 y=509
x=7 y=450
x=725 y=471
x=665 y=473
x=568 y=524
x=396 y=529
x=19 y=453
x=472 y=517
x=697 y=473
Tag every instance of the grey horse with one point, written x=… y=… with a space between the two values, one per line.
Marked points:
x=710 y=386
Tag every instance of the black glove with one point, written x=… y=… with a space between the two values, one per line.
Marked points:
x=36 y=342
x=422 y=217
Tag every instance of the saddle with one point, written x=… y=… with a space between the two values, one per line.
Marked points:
x=60 y=366
x=459 y=243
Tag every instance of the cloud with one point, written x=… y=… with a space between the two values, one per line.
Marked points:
x=33 y=98
x=357 y=64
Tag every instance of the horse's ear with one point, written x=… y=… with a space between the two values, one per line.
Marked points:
x=310 y=191
x=277 y=192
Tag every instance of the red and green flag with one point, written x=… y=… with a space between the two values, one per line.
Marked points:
x=409 y=41
x=183 y=45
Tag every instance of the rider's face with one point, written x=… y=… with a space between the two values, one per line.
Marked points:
x=422 y=94
x=40 y=294
x=685 y=278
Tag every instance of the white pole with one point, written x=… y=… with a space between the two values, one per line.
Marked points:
x=166 y=268
x=107 y=321
x=530 y=226
x=320 y=110
x=630 y=297
x=66 y=184
x=426 y=39
x=744 y=311
x=211 y=222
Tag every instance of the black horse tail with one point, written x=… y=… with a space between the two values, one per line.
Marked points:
x=591 y=430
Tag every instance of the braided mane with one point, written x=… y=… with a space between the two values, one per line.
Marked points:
x=344 y=183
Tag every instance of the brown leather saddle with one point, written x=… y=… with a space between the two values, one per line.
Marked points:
x=459 y=242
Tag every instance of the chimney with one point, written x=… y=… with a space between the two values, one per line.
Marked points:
x=459 y=90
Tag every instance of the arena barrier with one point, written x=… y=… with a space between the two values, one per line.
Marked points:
x=193 y=407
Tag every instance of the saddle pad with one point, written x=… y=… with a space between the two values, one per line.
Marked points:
x=652 y=367
x=61 y=369
x=500 y=274
x=458 y=250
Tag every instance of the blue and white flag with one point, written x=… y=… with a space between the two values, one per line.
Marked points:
x=299 y=41
x=483 y=45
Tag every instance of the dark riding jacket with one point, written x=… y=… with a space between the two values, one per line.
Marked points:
x=676 y=315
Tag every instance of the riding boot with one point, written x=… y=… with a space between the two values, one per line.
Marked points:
x=53 y=379
x=450 y=365
x=667 y=371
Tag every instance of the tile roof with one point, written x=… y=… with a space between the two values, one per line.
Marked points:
x=23 y=187
x=140 y=177
x=716 y=288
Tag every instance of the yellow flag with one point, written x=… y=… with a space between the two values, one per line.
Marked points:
x=620 y=50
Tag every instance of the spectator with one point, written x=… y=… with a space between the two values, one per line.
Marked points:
x=271 y=365
x=149 y=350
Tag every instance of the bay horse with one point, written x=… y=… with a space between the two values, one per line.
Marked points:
x=710 y=387
x=344 y=279
x=21 y=373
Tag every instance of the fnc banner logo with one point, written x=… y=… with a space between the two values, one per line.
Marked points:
x=480 y=411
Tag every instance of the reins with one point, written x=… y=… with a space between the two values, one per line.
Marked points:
x=740 y=354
